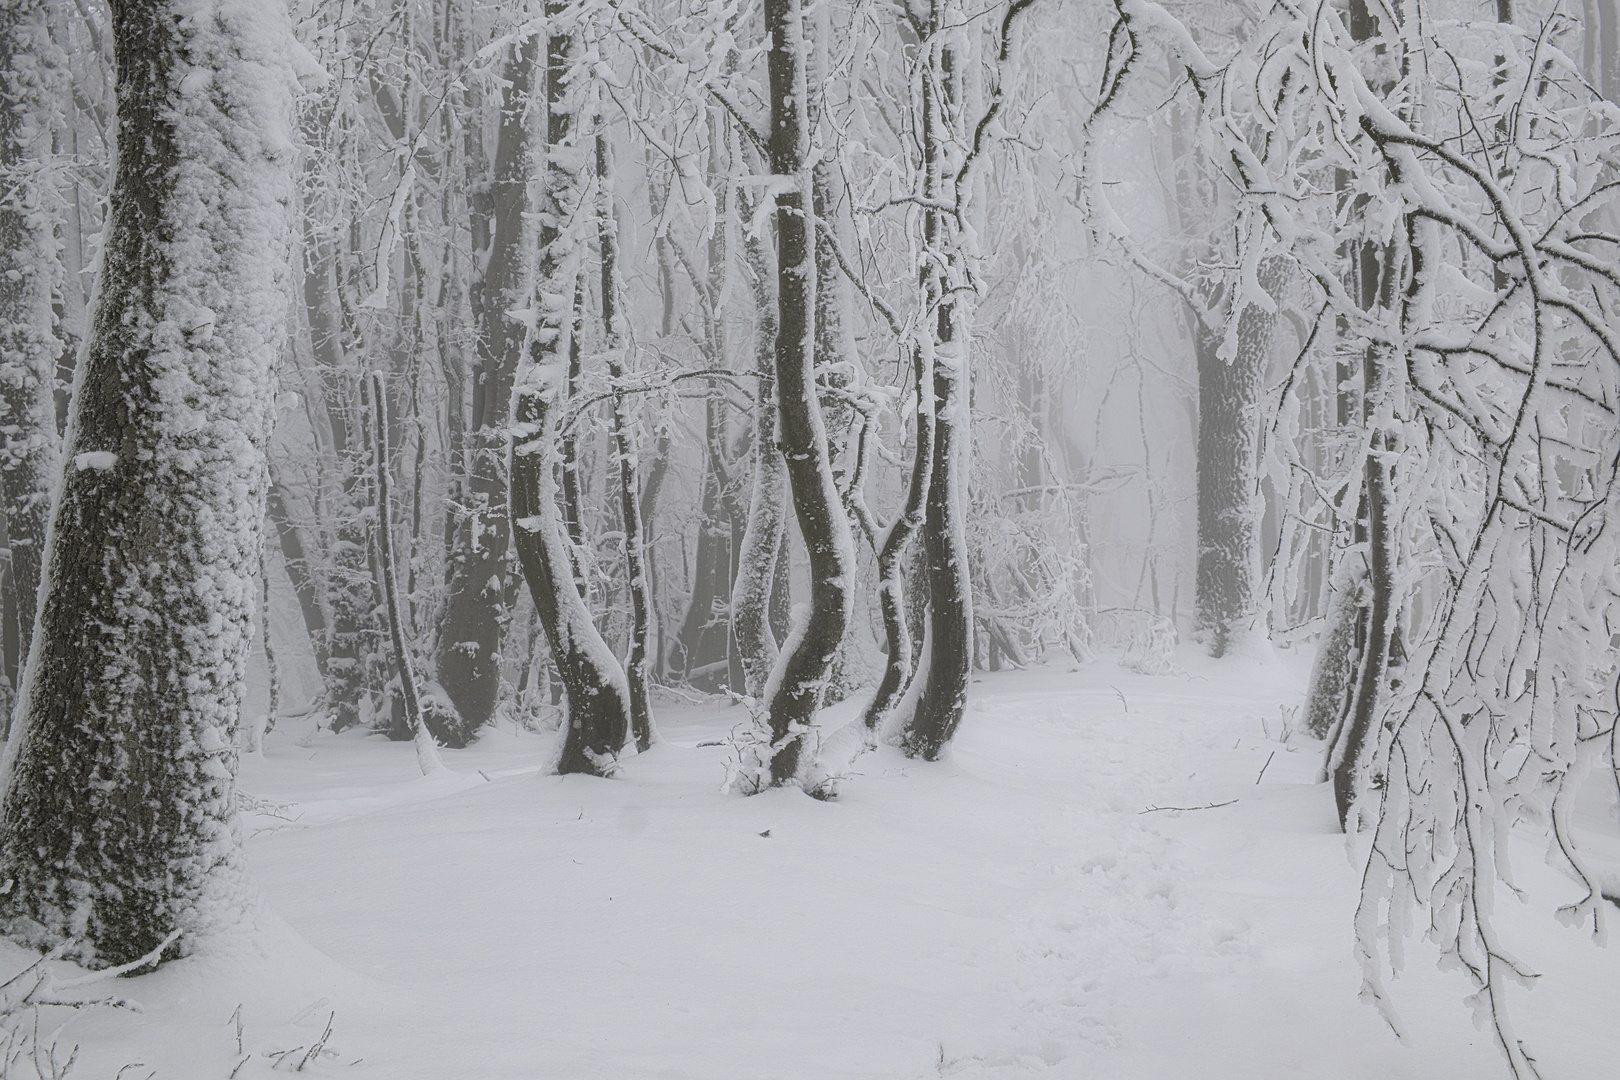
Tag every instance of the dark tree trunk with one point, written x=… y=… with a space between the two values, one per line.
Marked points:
x=892 y=547
x=119 y=820
x=801 y=672
x=475 y=610
x=1229 y=534
x=950 y=591
x=592 y=680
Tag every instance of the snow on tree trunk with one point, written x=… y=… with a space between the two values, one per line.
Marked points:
x=1229 y=505
x=757 y=558
x=896 y=542
x=427 y=751
x=950 y=591
x=474 y=611
x=33 y=88
x=943 y=698
x=120 y=798
x=593 y=682
x=796 y=681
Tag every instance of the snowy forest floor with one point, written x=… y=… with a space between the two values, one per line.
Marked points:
x=1020 y=909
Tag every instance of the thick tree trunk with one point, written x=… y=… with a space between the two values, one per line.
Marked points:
x=475 y=609
x=119 y=820
x=800 y=673
x=33 y=85
x=1229 y=535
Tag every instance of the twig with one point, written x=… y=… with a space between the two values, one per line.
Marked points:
x=315 y=1051
x=1264 y=767
x=1206 y=806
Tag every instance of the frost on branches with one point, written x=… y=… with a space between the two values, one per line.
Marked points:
x=119 y=821
x=1482 y=171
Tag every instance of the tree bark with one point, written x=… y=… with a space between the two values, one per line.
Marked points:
x=1229 y=536
x=427 y=752
x=760 y=552
x=593 y=682
x=474 y=612
x=119 y=820
x=800 y=672
x=943 y=699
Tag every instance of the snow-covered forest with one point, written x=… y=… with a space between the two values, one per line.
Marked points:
x=809 y=538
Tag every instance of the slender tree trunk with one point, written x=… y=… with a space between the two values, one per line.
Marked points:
x=800 y=673
x=593 y=682
x=119 y=821
x=892 y=547
x=636 y=662
x=950 y=590
x=758 y=557
x=427 y=751
x=33 y=84
x=294 y=557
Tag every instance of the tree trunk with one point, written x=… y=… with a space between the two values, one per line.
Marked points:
x=33 y=84
x=593 y=682
x=119 y=821
x=427 y=752
x=892 y=547
x=950 y=590
x=294 y=557
x=1229 y=535
x=758 y=554
x=800 y=672
x=635 y=561
x=474 y=612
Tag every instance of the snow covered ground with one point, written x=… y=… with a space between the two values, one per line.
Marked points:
x=1030 y=907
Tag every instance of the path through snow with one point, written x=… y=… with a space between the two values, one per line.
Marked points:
x=1018 y=910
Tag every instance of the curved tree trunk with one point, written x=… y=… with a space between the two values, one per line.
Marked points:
x=593 y=681
x=943 y=699
x=119 y=821
x=796 y=682
x=892 y=548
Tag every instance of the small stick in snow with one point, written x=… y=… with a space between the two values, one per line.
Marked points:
x=320 y=1043
x=1121 y=693
x=1206 y=806
x=1264 y=767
